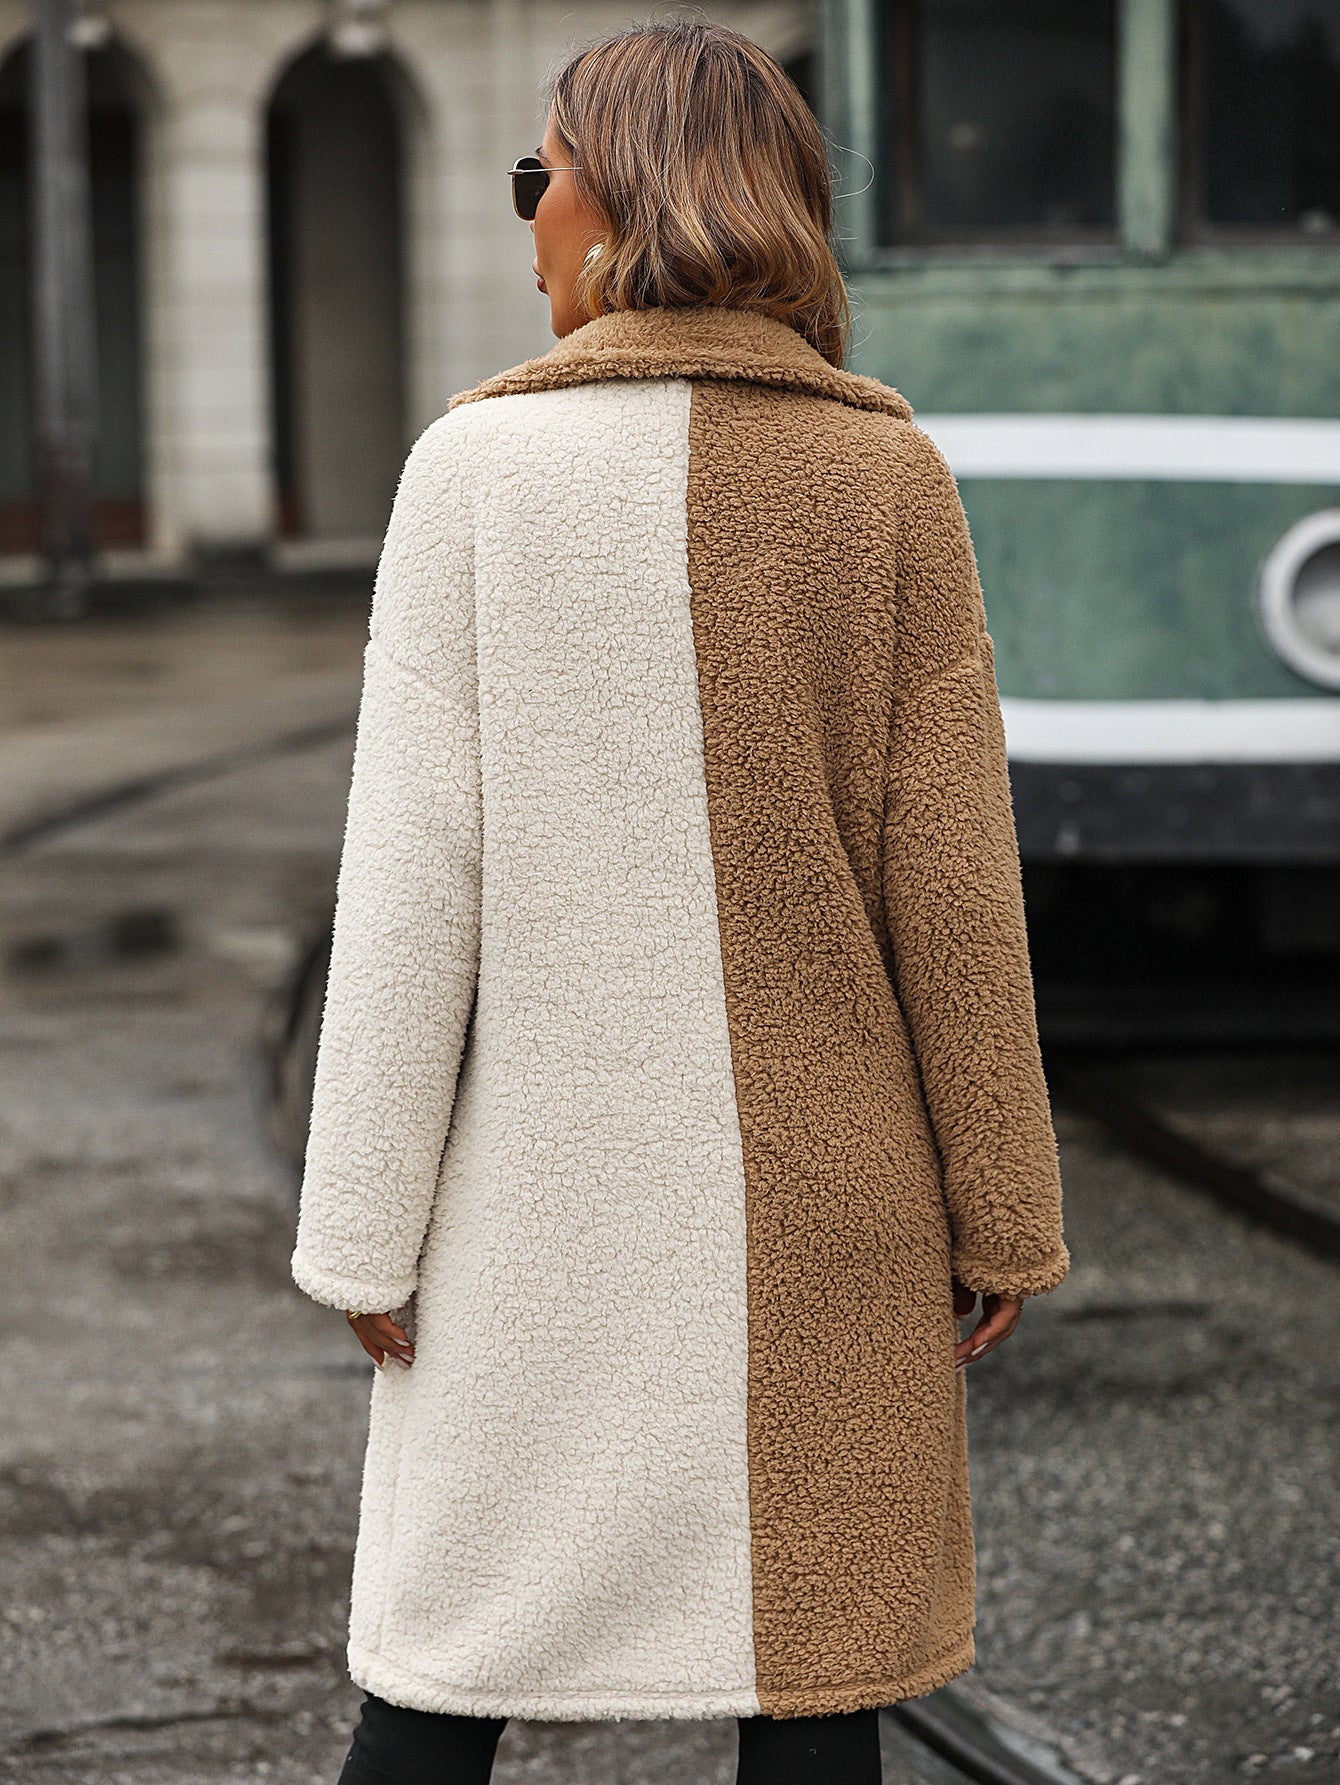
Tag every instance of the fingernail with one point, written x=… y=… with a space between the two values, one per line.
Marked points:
x=978 y=1352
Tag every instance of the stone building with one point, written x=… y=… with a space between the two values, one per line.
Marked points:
x=304 y=245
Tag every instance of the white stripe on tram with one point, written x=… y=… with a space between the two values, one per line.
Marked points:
x=1136 y=732
x=1180 y=448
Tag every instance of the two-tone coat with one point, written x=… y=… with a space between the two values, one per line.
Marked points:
x=679 y=1041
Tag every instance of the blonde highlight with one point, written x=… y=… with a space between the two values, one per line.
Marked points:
x=709 y=174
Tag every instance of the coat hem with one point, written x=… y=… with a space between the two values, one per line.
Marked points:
x=402 y=1686
x=865 y=1695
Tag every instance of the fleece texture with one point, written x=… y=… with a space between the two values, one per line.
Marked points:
x=679 y=1042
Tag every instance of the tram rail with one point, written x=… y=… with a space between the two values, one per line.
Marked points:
x=42 y=827
x=1264 y=1196
x=975 y=1744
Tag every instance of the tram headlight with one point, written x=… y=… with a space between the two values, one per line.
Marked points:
x=1300 y=598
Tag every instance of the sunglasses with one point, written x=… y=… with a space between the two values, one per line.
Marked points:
x=530 y=182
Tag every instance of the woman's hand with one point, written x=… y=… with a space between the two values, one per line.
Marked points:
x=1000 y=1316
x=381 y=1338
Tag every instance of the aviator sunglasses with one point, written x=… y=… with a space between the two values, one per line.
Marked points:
x=530 y=181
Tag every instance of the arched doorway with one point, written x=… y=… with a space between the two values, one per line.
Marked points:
x=115 y=89
x=336 y=184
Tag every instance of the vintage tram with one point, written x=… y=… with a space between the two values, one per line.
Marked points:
x=1097 y=244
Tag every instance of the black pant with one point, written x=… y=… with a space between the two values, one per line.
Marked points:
x=393 y=1746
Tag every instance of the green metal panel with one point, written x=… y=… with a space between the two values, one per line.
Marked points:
x=1146 y=101
x=1119 y=590
x=1196 y=336
x=849 y=81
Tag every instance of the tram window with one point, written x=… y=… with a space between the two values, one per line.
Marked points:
x=803 y=72
x=1262 y=109
x=1001 y=120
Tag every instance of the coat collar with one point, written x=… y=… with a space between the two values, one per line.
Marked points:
x=703 y=342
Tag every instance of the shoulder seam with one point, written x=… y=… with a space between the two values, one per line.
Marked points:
x=973 y=660
x=408 y=670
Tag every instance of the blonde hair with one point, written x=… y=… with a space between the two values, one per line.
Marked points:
x=710 y=176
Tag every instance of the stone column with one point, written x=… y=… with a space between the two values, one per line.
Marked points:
x=207 y=301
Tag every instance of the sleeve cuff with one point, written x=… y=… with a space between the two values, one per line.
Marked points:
x=368 y=1294
x=1005 y=1277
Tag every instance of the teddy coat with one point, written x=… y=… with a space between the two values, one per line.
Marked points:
x=679 y=1041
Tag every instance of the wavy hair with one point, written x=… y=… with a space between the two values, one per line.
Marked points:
x=710 y=176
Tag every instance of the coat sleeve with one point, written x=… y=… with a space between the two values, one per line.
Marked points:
x=954 y=904
x=404 y=957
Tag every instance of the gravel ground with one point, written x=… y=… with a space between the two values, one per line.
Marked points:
x=1154 y=1454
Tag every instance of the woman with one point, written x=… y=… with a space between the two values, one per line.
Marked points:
x=679 y=1080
